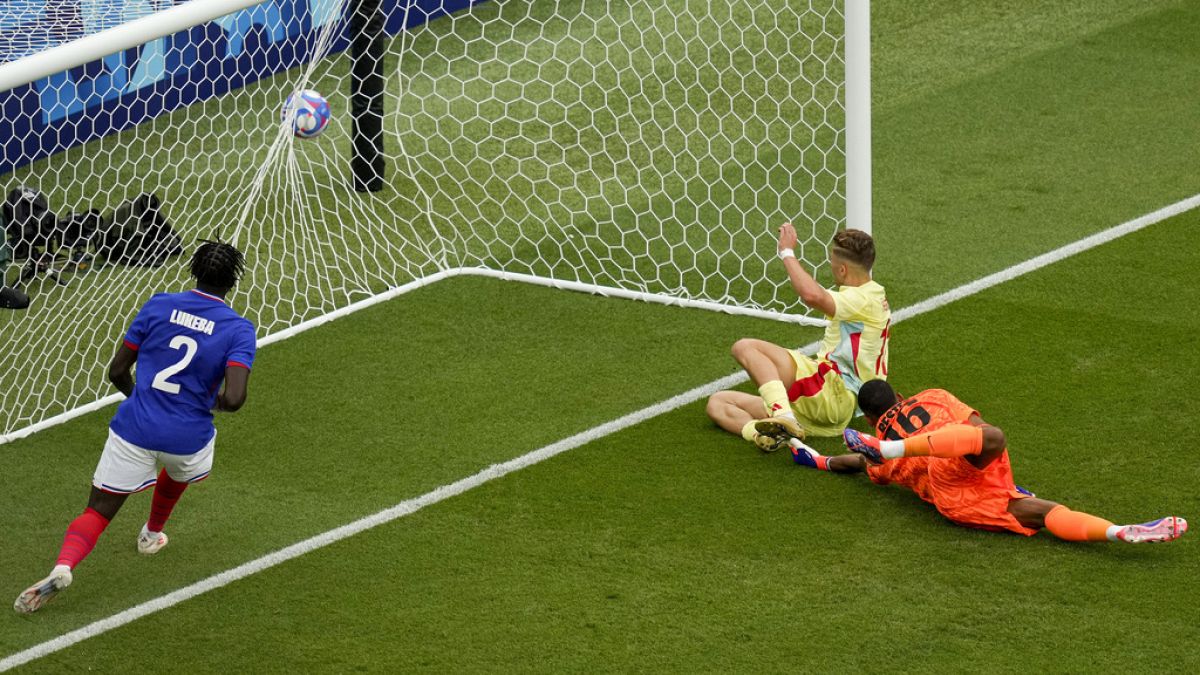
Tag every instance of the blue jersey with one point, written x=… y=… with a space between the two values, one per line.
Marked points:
x=184 y=341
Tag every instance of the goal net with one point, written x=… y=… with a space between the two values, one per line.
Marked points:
x=646 y=149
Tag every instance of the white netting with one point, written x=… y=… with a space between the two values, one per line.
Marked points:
x=647 y=146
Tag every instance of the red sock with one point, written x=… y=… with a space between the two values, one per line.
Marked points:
x=166 y=493
x=81 y=536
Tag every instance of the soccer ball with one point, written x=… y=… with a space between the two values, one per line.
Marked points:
x=309 y=113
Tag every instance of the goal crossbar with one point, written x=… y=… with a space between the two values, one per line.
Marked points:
x=118 y=38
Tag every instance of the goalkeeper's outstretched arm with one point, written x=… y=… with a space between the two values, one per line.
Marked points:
x=809 y=457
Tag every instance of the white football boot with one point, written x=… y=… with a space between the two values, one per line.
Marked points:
x=43 y=591
x=149 y=543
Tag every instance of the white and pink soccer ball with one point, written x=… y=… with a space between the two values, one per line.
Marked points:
x=309 y=113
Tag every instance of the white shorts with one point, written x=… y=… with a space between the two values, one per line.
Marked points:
x=125 y=468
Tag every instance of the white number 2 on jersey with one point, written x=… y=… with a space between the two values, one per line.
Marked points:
x=160 y=381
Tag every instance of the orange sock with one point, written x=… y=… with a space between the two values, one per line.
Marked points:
x=955 y=440
x=1075 y=526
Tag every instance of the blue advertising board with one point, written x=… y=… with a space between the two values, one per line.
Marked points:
x=129 y=87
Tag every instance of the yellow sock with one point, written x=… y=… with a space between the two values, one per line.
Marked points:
x=748 y=431
x=774 y=395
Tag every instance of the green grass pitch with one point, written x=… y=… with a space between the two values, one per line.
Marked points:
x=1000 y=132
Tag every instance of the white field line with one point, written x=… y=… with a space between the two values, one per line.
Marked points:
x=1102 y=237
x=495 y=471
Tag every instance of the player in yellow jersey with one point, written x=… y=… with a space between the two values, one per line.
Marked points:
x=799 y=395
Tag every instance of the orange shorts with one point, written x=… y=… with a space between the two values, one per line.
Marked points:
x=962 y=493
x=911 y=472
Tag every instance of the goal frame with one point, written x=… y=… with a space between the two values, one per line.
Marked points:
x=184 y=16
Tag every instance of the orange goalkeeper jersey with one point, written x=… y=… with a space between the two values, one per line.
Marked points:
x=928 y=411
x=961 y=492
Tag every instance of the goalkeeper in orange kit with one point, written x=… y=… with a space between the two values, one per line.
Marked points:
x=941 y=449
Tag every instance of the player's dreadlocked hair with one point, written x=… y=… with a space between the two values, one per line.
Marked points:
x=217 y=264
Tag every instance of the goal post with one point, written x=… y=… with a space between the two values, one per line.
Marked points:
x=367 y=95
x=858 y=115
x=644 y=150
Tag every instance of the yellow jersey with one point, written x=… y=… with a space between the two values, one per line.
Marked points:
x=856 y=340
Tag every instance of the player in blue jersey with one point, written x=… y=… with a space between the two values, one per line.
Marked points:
x=185 y=345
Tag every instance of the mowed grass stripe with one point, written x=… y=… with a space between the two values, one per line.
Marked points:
x=674 y=546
